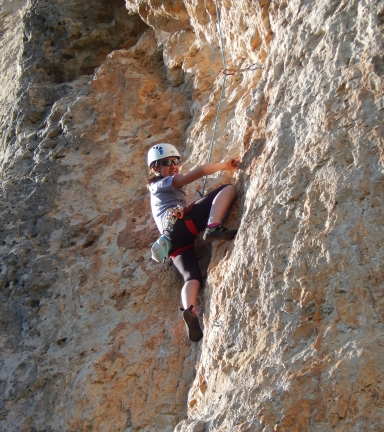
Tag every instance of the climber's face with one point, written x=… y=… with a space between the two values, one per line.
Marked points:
x=167 y=167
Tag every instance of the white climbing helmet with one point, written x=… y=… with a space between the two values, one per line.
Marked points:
x=161 y=151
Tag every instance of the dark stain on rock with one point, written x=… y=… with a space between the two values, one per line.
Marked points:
x=120 y=299
x=61 y=342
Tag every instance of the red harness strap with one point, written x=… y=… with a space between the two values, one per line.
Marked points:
x=191 y=226
x=177 y=252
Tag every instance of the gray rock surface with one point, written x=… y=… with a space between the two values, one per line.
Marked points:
x=91 y=337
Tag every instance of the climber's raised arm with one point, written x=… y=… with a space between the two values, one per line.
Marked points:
x=203 y=170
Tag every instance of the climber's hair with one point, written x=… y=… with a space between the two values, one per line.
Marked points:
x=152 y=177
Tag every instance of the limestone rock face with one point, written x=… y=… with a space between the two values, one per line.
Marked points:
x=91 y=336
x=166 y=16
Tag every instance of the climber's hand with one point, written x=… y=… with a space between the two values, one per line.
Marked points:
x=232 y=164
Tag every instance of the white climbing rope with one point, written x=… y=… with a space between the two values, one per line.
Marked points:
x=221 y=94
x=226 y=72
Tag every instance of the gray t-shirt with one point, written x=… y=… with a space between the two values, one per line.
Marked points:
x=164 y=197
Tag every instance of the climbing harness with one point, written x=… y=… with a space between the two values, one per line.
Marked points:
x=226 y=72
x=184 y=214
x=177 y=252
x=172 y=215
x=179 y=212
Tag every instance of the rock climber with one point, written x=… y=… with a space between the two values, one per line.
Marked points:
x=181 y=223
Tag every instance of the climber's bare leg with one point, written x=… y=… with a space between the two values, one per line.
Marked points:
x=221 y=204
x=189 y=293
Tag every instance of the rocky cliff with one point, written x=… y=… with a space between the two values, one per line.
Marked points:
x=293 y=309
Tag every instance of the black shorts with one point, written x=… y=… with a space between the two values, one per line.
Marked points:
x=186 y=262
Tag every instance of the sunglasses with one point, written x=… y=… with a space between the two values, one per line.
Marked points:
x=169 y=162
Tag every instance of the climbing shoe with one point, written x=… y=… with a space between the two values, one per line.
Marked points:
x=192 y=325
x=218 y=233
